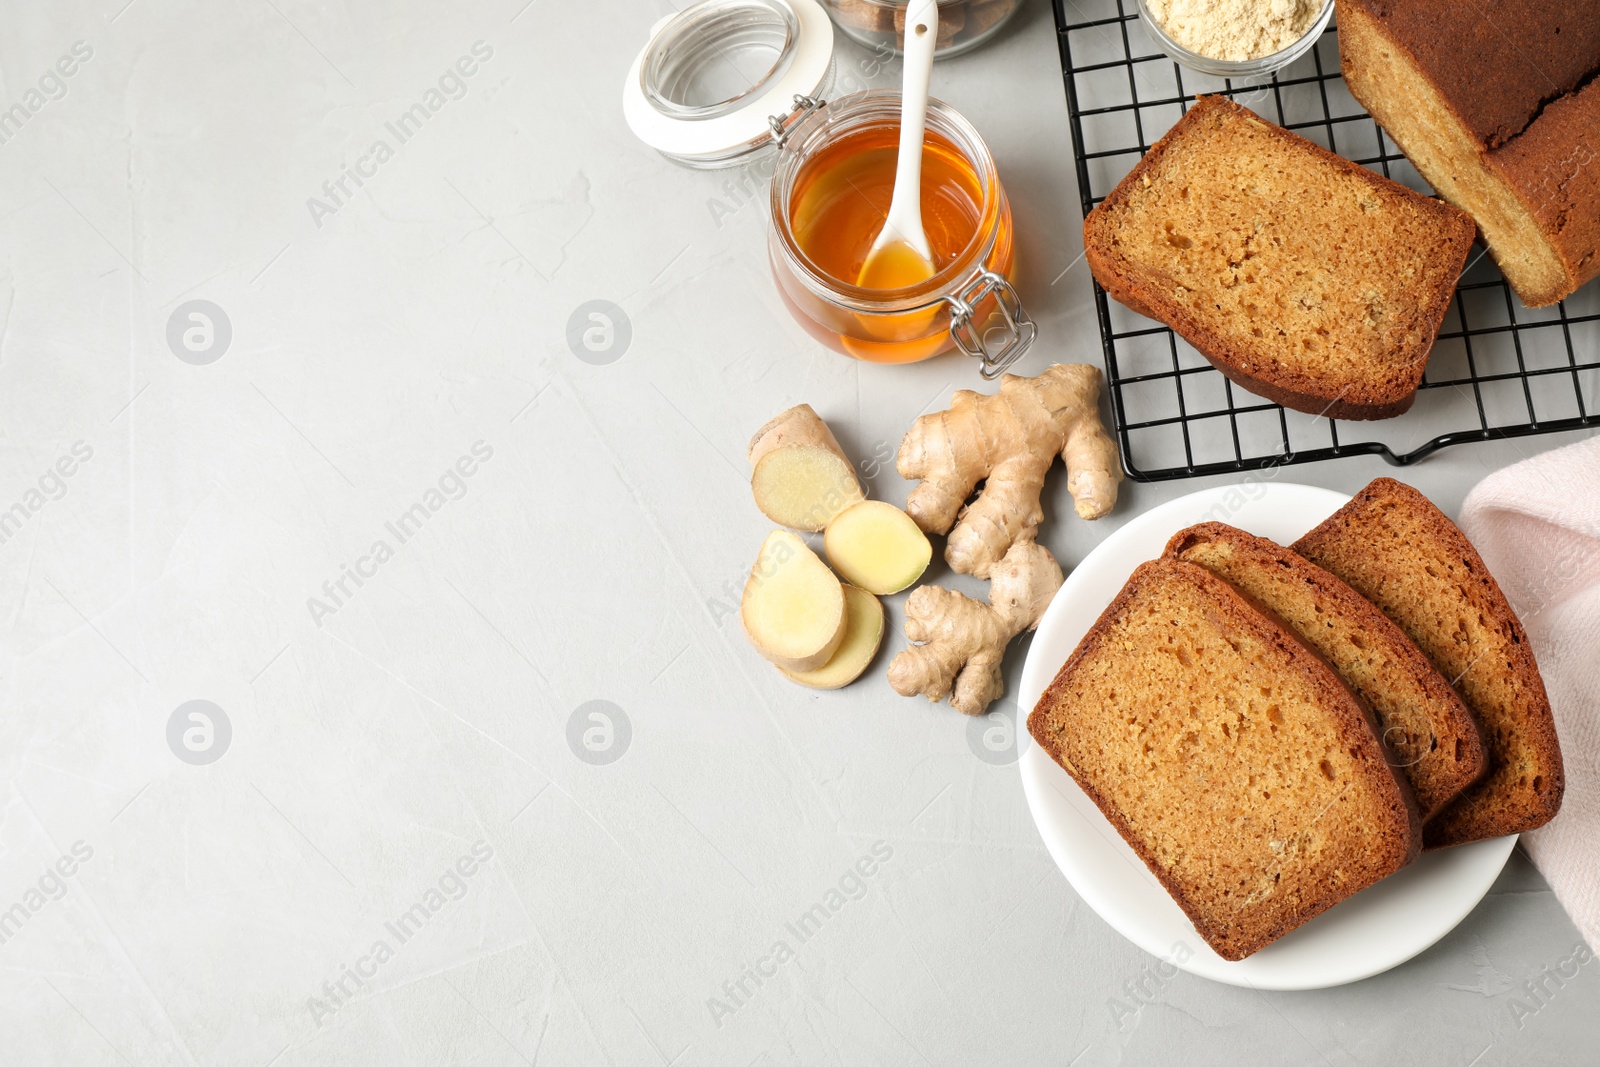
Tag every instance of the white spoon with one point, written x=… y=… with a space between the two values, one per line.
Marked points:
x=900 y=255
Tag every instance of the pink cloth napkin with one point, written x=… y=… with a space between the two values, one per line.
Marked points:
x=1537 y=526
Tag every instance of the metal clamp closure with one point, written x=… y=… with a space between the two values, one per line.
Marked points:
x=783 y=125
x=1019 y=329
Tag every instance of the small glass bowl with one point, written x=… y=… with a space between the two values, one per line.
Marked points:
x=1236 y=68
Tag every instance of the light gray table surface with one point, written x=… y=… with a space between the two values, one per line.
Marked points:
x=594 y=553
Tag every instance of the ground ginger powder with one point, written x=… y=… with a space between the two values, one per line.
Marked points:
x=1235 y=29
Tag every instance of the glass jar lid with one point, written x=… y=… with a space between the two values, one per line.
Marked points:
x=717 y=79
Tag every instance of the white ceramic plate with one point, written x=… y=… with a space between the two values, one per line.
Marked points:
x=1378 y=928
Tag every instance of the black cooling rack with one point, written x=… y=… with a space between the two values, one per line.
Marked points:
x=1498 y=370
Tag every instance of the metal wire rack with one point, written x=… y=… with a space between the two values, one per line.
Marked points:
x=1498 y=369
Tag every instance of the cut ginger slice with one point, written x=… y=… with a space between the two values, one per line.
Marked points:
x=793 y=605
x=877 y=546
x=863 y=633
x=799 y=474
x=804 y=487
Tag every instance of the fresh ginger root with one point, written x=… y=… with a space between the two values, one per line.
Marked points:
x=961 y=642
x=1010 y=439
x=800 y=476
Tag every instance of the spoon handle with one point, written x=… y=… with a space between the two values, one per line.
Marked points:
x=905 y=210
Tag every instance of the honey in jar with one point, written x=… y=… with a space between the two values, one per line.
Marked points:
x=840 y=202
x=842 y=198
x=830 y=197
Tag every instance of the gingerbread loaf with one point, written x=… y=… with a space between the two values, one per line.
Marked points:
x=1498 y=106
x=1301 y=276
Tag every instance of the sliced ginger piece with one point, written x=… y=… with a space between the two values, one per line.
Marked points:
x=877 y=546
x=793 y=605
x=800 y=476
x=863 y=633
x=803 y=487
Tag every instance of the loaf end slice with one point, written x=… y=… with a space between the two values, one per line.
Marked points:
x=1394 y=547
x=1428 y=733
x=1228 y=755
x=1303 y=277
x=1517 y=150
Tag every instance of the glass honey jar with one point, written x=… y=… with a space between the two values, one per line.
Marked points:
x=830 y=191
x=734 y=82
